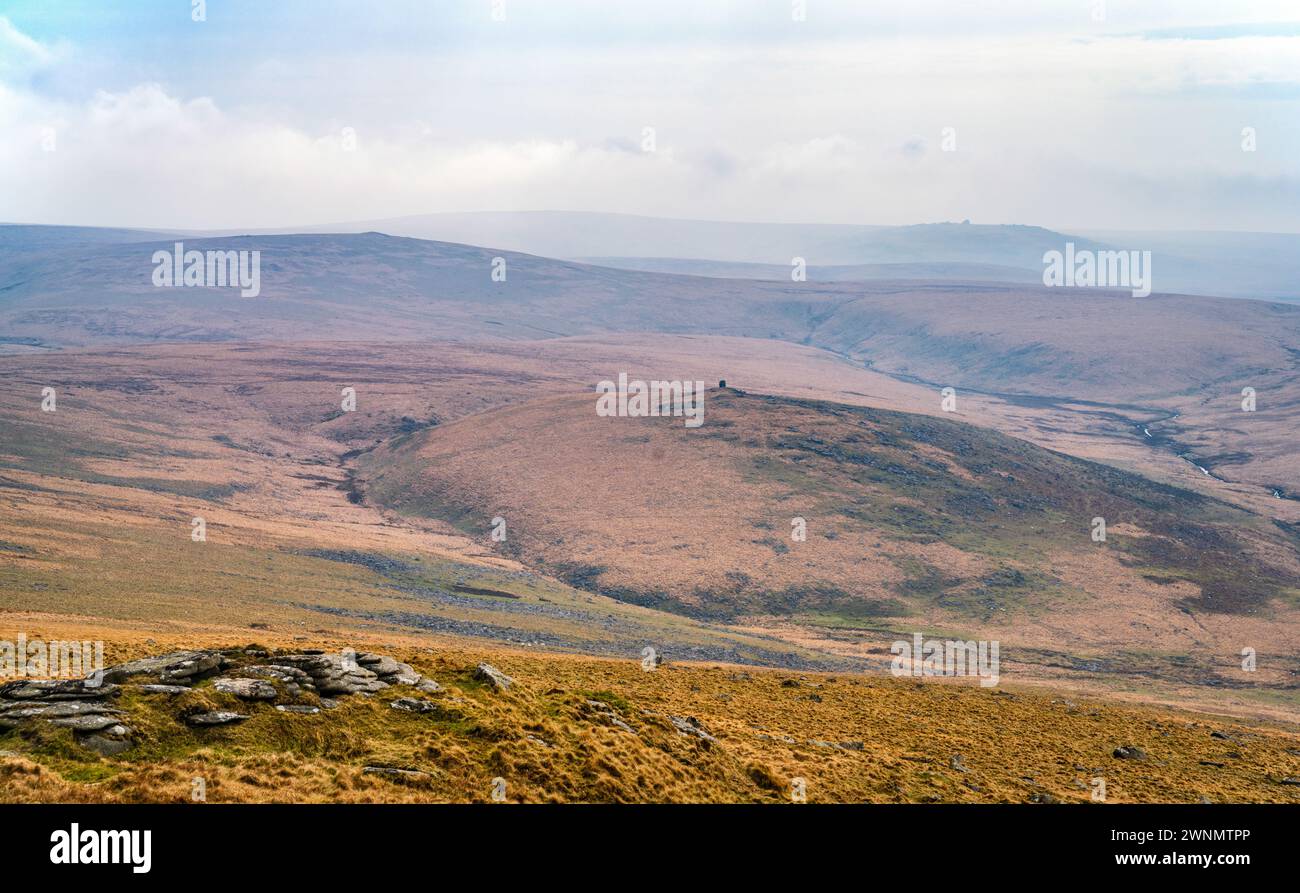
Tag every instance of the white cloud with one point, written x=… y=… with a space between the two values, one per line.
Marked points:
x=1051 y=129
x=20 y=54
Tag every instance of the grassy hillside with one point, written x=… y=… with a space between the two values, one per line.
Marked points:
x=586 y=730
x=913 y=523
x=931 y=511
x=1022 y=339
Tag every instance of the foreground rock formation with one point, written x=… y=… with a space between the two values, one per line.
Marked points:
x=251 y=674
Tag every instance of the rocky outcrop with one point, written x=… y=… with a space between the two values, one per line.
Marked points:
x=351 y=674
x=248 y=689
x=185 y=667
x=250 y=674
x=75 y=704
x=58 y=690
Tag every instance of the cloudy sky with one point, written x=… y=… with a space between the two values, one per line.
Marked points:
x=1066 y=113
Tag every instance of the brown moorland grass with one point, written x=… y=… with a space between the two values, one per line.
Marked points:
x=914 y=523
x=852 y=738
x=96 y=501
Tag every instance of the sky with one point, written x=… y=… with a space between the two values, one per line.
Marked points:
x=1071 y=114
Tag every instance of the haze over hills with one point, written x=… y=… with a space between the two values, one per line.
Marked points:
x=1080 y=343
x=1263 y=266
x=1226 y=264
x=962 y=272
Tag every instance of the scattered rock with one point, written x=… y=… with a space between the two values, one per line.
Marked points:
x=956 y=762
x=1129 y=752
x=413 y=705
x=160 y=689
x=690 y=726
x=605 y=712
x=105 y=745
x=297 y=708
x=215 y=718
x=28 y=709
x=493 y=677
x=91 y=723
x=405 y=775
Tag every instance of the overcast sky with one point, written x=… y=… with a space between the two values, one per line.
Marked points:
x=133 y=114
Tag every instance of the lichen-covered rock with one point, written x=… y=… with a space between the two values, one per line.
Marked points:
x=252 y=674
x=493 y=677
x=89 y=723
x=57 y=690
x=335 y=673
x=248 y=689
x=413 y=705
x=690 y=726
x=291 y=679
x=171 y=667
x=109 y=742
x=215 y=718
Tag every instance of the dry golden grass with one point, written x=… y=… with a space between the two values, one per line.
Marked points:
x=95 y=503
x=897 y=738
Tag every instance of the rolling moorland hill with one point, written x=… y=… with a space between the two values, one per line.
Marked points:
x=913 y=522
x=1264 y=266
x=960 y=272
x=702 y=517
x=1090 y=344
